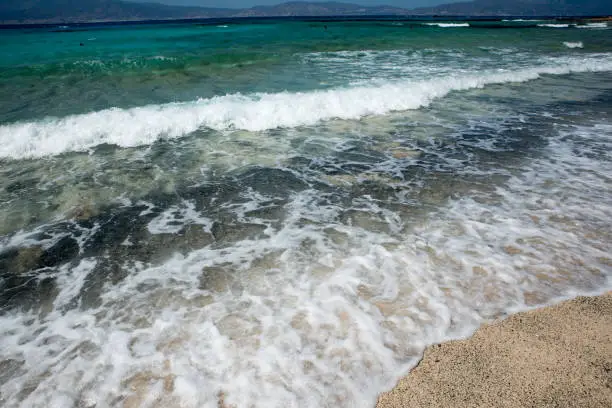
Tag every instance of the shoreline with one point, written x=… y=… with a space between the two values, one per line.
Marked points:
x=8 y=24
x=554 y=356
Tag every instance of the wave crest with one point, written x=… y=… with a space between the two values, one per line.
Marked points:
x=448 y=25
x=554 y=25
x=257 y=112
x=576 y=44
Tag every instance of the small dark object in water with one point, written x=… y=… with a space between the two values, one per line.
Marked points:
x=325 y=26
x=81 y=44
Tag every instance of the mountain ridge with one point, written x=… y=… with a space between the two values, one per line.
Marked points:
x=75 y=11
x=520 y=8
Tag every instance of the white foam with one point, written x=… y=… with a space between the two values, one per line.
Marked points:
x=162 y=58
x=554 y=25
x=521 y=20
x=33 y=237
x=593 y=25
x=176 y=218
x=449 y=25
x=328 y=312
x=577 y=44
x=358 y=68
x=256 y=112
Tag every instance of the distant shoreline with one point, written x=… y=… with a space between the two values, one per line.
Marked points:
x=330 y=18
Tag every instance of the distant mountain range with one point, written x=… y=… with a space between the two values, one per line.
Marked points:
x=300 y=8
x=67 y=11
x=521 y=8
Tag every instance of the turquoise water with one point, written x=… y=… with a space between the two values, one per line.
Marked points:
x=50 y=74
x=285 y=213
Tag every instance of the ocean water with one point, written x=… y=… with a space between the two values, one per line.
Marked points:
x=285 y=213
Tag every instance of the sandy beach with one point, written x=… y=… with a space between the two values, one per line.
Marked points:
x=558 y=356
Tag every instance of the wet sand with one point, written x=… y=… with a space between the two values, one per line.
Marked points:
x=559 y=356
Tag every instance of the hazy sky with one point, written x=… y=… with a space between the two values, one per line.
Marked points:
x=250 y=3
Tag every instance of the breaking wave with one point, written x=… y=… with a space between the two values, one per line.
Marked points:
x=554 y=25
x=449 y=25
x=577 y=44
x=593 y=25
x=255 y=112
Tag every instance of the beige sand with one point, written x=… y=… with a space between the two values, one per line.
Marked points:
x=560 y=356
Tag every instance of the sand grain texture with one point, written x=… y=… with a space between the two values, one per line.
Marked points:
x=559 y=356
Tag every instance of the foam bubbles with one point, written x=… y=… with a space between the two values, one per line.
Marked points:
x=576 y=44
x=175 y=218
x=329 y=305
x=593 y=25
x=554 y=25
x=449 y=25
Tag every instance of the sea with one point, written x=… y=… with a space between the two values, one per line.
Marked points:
x=286 y=213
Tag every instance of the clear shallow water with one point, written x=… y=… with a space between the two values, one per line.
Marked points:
x=283 y=215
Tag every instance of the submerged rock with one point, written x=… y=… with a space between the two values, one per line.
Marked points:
x=512 y=250
x=28 y=259
x=9 y=368
x=83 y=212
x=63 y=251
x=401 y=153
x=21 y=260
x=216 y=278
x=28 y=293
